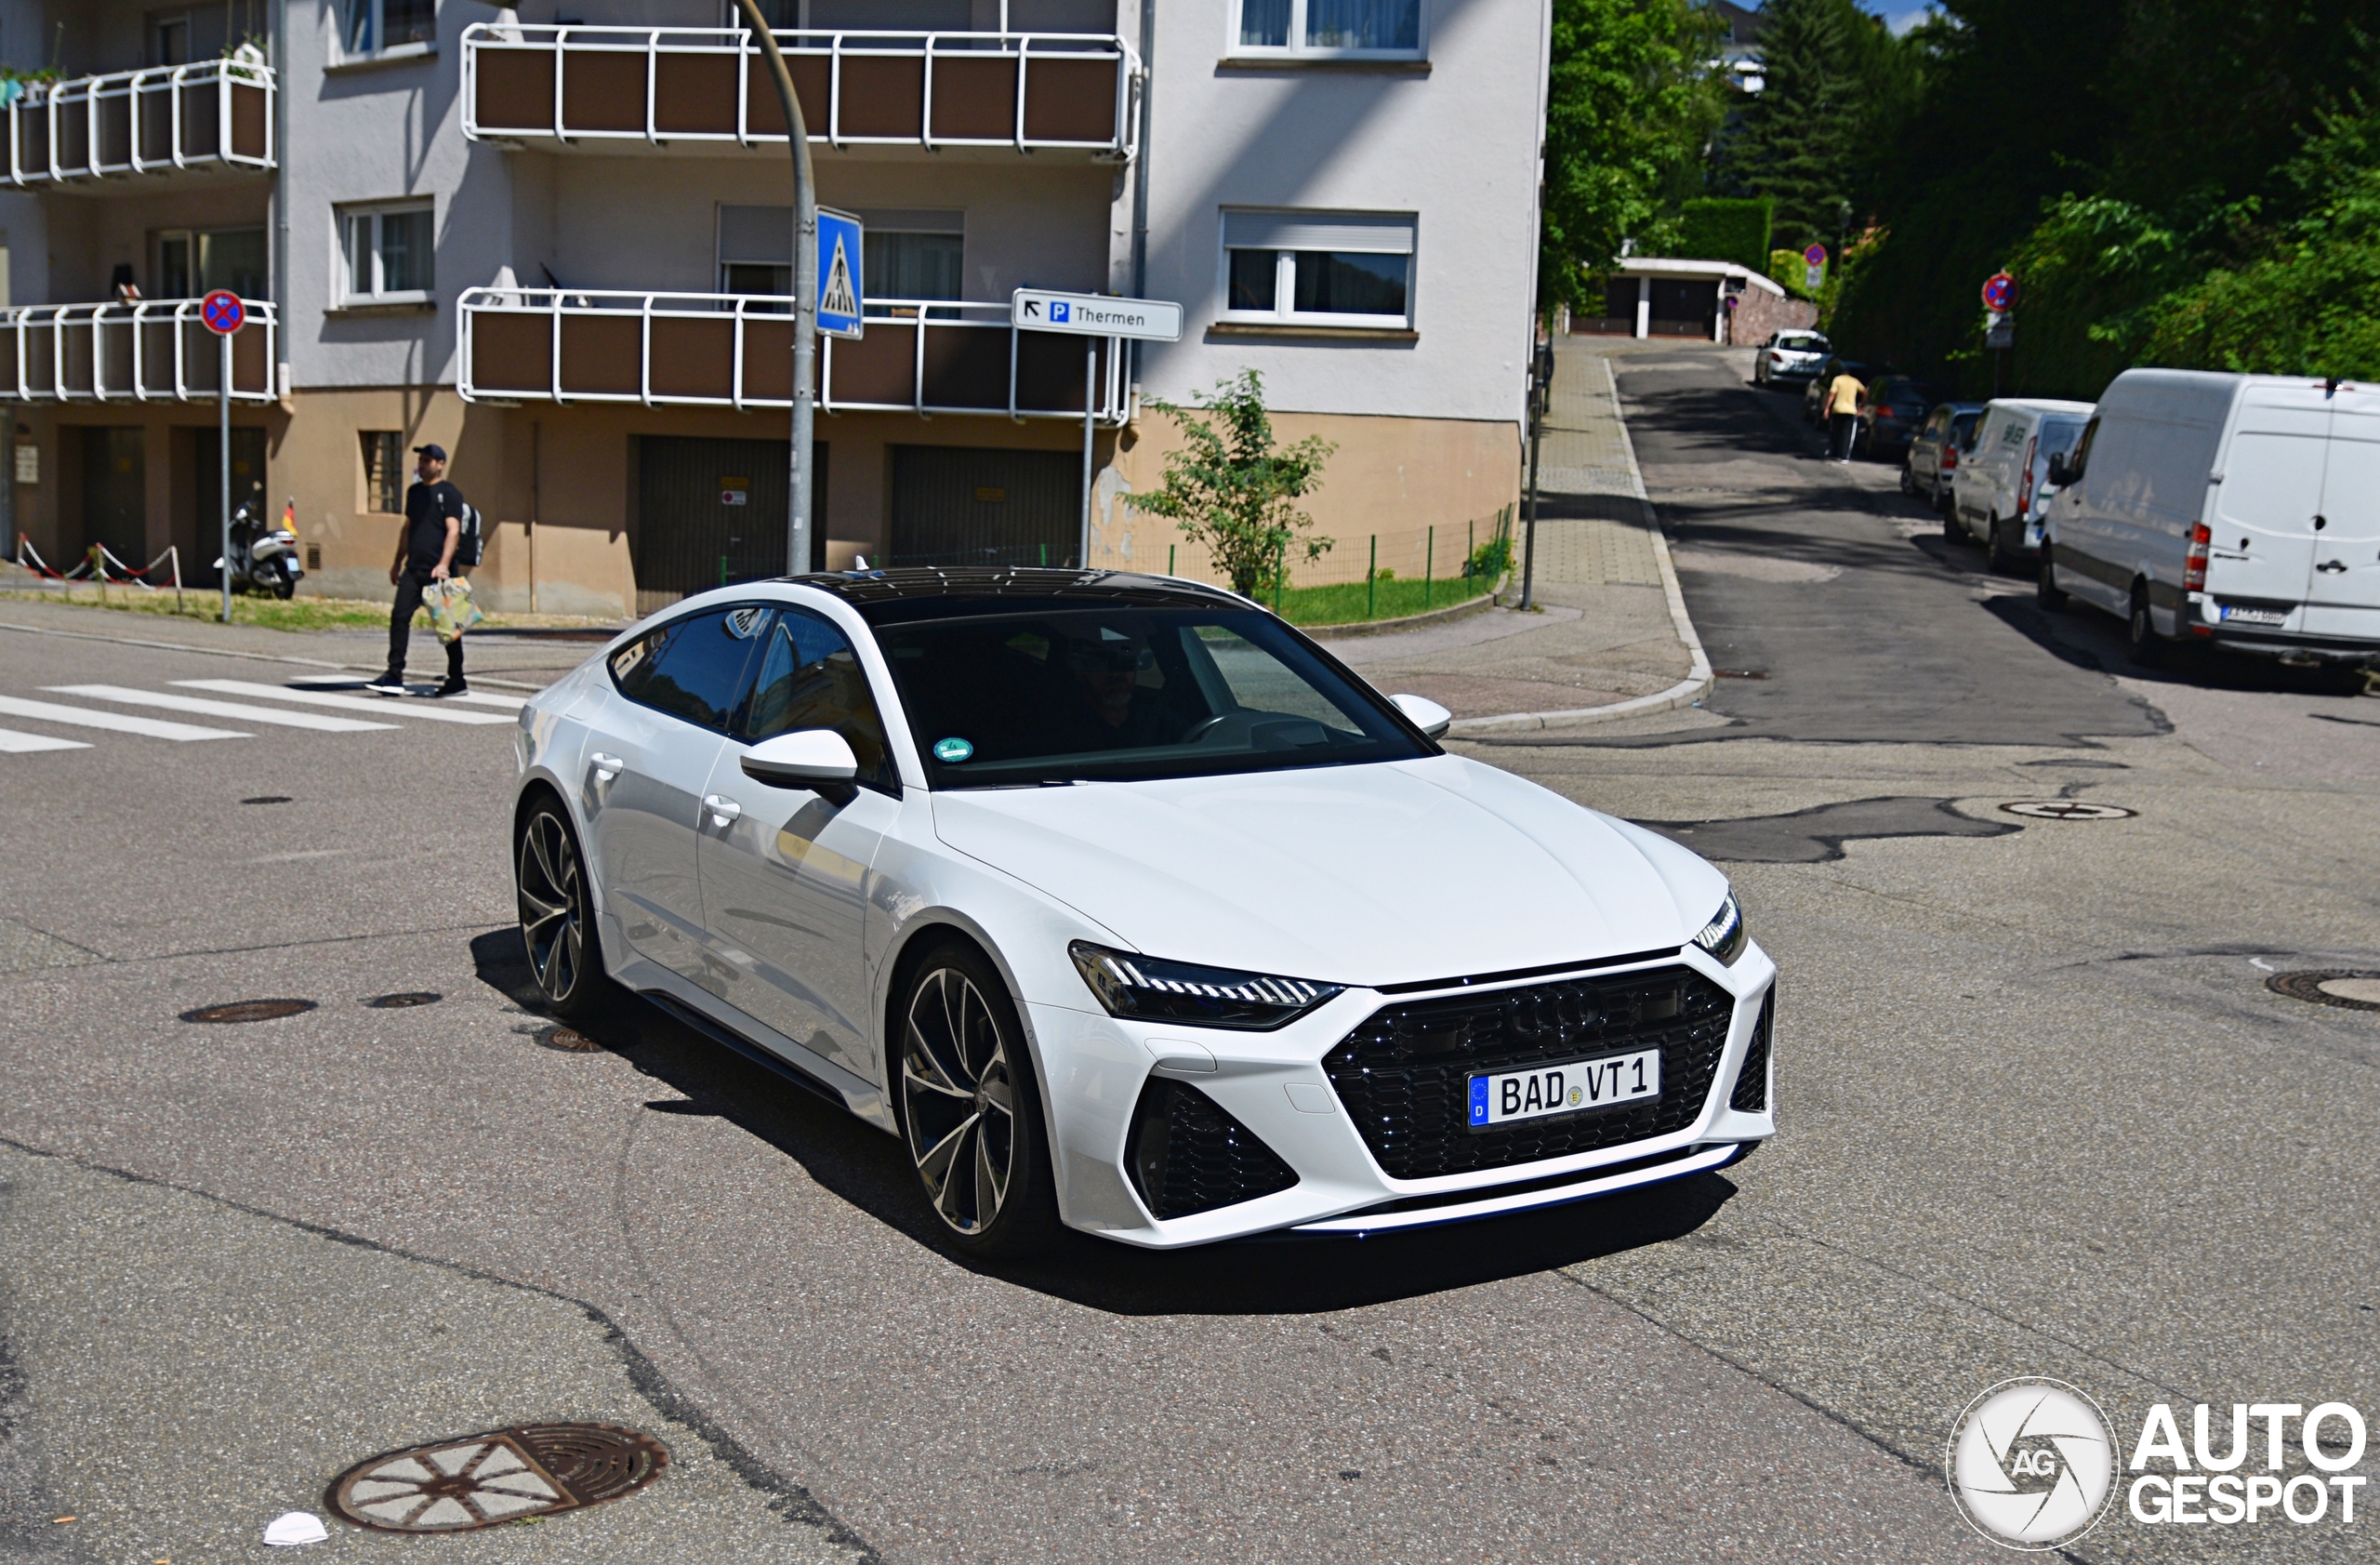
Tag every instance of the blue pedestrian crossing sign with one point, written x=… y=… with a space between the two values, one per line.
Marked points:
x=840 y=267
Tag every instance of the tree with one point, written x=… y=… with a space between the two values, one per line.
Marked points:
x=1799 y=134
x=1232 y=489
x=1631 y=101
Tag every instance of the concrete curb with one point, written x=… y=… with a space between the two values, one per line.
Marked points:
x=1411 y=621
x=1686 y=692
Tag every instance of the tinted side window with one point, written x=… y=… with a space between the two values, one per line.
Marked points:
x=692 y=668
x=810 y=677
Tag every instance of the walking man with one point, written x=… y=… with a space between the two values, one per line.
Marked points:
x=1843 y=396
x=433 y=527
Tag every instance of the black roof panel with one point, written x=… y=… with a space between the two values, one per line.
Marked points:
x=914 y=593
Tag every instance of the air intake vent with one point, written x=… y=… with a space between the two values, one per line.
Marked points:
x=1186 y=1155
x=1751 y=1083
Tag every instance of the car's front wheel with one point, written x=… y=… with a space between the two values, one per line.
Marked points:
x=557 y=913
x=970 y=1113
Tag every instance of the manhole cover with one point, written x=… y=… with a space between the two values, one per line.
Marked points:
x=404 y=1001
x=530 y=1469
x=2352 y=991
x=2067 y=809
x=569 y=1039
x=249 y=1011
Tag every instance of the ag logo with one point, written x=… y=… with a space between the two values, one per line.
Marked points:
x=2030 y=1464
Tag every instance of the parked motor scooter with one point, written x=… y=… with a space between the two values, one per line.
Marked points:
x=263 y=559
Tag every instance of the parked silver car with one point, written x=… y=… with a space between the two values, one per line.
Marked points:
x=1790 y=358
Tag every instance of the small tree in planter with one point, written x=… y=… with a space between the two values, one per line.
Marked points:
x=1233 y=489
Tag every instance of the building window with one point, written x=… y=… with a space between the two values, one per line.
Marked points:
x=1365 y=29
x=384 y=470
x=189 y=265
x=377 y=26
x=913 y=255
x=389 y=254
x=169 y=39
x=923 y=262
x=1318 y=268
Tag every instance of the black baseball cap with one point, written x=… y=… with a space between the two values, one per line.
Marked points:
x=434 y=452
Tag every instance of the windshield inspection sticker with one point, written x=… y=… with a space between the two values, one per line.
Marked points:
x=952 y=750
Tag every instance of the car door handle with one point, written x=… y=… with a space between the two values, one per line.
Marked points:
x=2330 y=565
x=606 y=766
x=723 y=810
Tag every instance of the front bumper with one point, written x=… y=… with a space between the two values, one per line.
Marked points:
x=1276 y=1088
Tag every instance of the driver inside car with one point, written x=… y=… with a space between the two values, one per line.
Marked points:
x=1118 y=711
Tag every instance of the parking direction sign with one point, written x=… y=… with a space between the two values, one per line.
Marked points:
x=1154 y=320
x=223 y=313
x=841 y=268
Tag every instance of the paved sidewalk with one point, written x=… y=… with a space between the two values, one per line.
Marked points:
x=1613 y=639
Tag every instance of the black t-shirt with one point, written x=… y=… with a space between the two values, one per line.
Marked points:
x=426 y=508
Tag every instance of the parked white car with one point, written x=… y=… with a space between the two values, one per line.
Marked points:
x=1790 y=357
x=2240 y=509
x=2001 y=490
x=1125 y=905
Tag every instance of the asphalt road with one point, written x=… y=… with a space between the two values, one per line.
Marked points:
x=2041 y=1116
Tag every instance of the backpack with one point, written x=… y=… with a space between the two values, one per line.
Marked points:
x=469 y=540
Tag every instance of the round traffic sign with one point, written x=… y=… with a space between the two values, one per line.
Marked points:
x=223 y=312
x=1815 y=255
x=2000 y=292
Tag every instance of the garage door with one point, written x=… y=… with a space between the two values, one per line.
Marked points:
x=964 y=505
x=1685 y=309
x=710 y=511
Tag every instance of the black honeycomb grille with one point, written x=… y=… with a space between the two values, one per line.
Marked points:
x=1186 y=1154
x=1403 y=1073
x=1750 y=1096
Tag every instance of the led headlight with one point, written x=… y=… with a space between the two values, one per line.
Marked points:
x=1723 y=936
x=1152 y=989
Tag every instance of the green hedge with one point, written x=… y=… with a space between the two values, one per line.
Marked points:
x=1712 y=228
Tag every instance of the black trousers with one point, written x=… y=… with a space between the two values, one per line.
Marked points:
x=409 y=590
x=1844 y=430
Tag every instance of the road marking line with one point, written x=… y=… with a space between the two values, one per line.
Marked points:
x=150 y=727
x=203 y=708
x=14 y=743
x=380 y=704
x=509 y=703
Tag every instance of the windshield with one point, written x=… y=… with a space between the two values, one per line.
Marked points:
x=1021 y=695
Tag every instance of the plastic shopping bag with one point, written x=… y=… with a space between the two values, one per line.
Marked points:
x=452 y=612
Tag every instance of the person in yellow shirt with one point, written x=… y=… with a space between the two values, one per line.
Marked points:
x=1845 y=395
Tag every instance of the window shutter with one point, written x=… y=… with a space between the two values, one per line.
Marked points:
x=1380 y=233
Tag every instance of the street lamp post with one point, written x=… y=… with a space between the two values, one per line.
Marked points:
x=805 y=297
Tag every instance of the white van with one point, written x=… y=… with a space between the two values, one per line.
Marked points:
x=2240 y=509
x=2001 y=490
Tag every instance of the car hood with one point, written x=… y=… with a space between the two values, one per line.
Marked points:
x=1361 y=875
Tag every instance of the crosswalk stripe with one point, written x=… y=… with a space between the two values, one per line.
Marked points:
x=14 y=743
x=509 y=703
x=150 y=727
x=200 y=706
x=381 y=705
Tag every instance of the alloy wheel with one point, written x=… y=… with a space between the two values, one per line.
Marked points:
x=959 y=1093
x=552 y=892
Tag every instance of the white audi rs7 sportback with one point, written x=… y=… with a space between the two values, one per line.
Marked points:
x=1127 y=906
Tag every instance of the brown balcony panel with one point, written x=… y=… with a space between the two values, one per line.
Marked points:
x=694 y=358
x=157 y=359
x=883 y=96
x=32 y=140
x=768 y=356
x=251 y=369
x=157 y=125
x=695 y=95
x=603 y=90
x=602 y=355
x=249 y=136
x=515 y=90
x=879 y=367
x=811 y=75
x=1070 y=100
x=73 y=137
x=115 y=132
x=1048 y=371
x=512 y=350
x=967 y=366
x=974 y=100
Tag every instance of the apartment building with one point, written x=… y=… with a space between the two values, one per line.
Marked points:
x=556 y=239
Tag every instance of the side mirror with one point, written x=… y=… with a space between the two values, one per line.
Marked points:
x=1425 y=715
x=811 y=758
x=2059 y=474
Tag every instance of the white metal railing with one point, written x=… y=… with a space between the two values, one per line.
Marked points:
x=156 y=351
x=666 y=350
x=209 y=113
x=661 y=84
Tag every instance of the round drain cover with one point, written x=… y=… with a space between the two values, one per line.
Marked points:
x=249 y=1011
x=2351 y=991
x=404 y=1001
x=569 y=1039
x=477 y=1481
x=2067 y=809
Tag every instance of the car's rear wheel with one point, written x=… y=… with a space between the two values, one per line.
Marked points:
x=970 y=1113
x=2046 y=591
x=2148 y=646
x=2003 y=557
x=557 y=914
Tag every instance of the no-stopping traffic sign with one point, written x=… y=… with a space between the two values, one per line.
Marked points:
x=223 y=313
x=2000 y=292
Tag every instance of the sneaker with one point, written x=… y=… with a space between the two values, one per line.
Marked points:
x=454 y=686
x=390 y=684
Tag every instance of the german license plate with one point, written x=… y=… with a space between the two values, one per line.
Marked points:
x=1569 y=1088
x=2255 y=615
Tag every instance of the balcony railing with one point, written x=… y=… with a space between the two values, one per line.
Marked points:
x=729 y=350
x=156 y=351
x=1018 y=91
x=214 y=113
